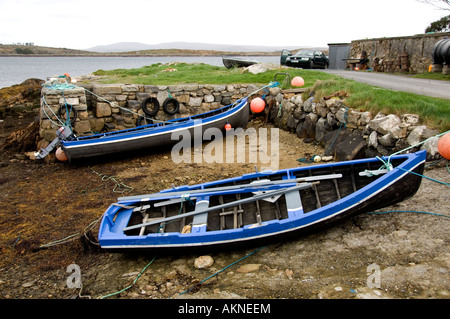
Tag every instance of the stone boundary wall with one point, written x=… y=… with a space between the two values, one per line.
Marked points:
x=344 y=132
x=399 y=54
x=347 y=133
x=101 y=107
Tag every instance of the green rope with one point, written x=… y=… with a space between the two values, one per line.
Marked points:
x=105 y=178
x=431 y=179
x=134 y=281
x=223 y=269
x=406 y=211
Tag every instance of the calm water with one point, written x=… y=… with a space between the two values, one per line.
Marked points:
x=15 y=70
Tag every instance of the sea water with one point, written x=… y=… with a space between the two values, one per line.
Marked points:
x=15 y=70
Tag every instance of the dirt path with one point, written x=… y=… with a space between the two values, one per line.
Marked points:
x=45 y=202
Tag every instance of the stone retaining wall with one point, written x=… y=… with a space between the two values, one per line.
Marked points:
x=399 y=54
x=109 y=107
x=344 y=132
x=347 y=133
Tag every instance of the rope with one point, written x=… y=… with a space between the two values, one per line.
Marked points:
x=133 y=283
x=50 y=118
x=431 y=179
x=120 y=107
x=406 y=211
x=218 y=272
x=106 y=178
x=74 y=236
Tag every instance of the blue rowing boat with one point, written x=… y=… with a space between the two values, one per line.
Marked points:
x=258 y=208
x=147 y=136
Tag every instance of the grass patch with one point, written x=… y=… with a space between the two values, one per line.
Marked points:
x=434 y=112
x=159 y=74
x=433 y=76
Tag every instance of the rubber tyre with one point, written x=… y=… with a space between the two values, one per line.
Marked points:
x=167 y=106
x=140 y=119
x=62 y=110
x=155 y=109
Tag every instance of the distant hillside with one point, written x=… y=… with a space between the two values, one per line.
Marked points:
x=124 y=49
x=31 y=50
x=136 y=46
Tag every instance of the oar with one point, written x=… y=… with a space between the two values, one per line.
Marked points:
x=226 y=205
x=261 y=183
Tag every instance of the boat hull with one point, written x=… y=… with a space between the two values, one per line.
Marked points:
x=155 y=135
x=237 y=63
x=386 y=190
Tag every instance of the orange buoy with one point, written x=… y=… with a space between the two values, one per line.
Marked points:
x=257 y=105
x=297 y=81
x=60 y=155
x=228 y=126
x=444 y=146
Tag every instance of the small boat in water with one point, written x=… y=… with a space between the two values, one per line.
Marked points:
x=147 y=136
x=260 y=207
x=237 y=62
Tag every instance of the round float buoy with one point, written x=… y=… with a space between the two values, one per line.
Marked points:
x=227 y=126
x=60 y=155
x=444 y=146
x=298 y=81
x=257 y=105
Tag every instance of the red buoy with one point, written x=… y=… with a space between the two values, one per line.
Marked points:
x=298 y=81
x=444 y=146
x=257 y=105
x=60 y=155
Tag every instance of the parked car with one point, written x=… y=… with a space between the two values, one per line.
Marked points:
x=307 y=59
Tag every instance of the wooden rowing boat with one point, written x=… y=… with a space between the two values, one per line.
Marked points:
x=237 y=62
x=154 y=135
x=258 y=208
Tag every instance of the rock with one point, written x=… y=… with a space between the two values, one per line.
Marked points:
x=373 y=140
x=195 y=101
x=261 y=67
x=103 y=109
x=322 y=127
x=28 y=91
x=333 y=138
x=383 y=124
x=203 y=262
x=248 y=268
x=431 y=147
x=387 y=140
x=410 y=119
x=351 y=147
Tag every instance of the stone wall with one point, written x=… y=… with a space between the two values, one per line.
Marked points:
x=110 y=107
x=399 y=54
x=347 y=133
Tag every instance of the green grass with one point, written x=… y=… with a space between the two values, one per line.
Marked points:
x=434 y=112
x=202 y=74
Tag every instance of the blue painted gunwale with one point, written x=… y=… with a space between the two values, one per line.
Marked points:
x=111 y=235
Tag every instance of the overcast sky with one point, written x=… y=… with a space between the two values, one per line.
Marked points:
x=81 y=24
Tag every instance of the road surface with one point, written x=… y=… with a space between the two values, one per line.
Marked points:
x=434 y=88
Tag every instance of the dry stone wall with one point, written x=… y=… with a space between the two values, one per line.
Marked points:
x=399 y=54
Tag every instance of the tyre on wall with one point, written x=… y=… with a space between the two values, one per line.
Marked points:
x=142 y=120
x=171 y=106
x=62 y=113
x=150 y=106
